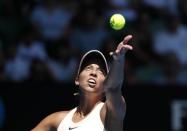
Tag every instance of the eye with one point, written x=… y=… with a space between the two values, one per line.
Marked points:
x=101 y=71
x=88 y=68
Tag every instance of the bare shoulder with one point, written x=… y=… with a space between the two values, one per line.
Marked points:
x=57 y=117
x=50 y=122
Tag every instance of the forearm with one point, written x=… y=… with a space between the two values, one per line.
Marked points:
x=115 y=77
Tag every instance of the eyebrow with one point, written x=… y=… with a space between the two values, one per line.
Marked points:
x=91 y=65
x=99 y=67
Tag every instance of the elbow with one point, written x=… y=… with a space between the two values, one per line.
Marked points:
x=113 y=87
x=113 y=84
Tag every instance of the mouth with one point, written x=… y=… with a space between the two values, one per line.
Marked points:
x=91 y=82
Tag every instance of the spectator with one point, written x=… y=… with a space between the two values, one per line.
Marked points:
x=20 y=56
x=145 y=64
x=182 y=4
x=29 y=47
x=89 y=31
x=157 y=7
x=172 y=41
x=51 y=19
x=124 y=7
x=39 y=71
x=143 y=51
x=63 y=66
x=15 y=68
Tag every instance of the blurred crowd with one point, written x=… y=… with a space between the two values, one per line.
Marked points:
x=43 y=40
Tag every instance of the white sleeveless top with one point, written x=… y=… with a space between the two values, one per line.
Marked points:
x=92 y=122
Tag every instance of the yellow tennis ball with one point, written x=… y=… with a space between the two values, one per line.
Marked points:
x=117 y=21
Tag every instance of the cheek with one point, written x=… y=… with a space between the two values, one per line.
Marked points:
x=101 y=84
x=83 y=74
x=82 y=77
x=102 y=79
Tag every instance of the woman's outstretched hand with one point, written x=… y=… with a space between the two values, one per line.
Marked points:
x=122 y=47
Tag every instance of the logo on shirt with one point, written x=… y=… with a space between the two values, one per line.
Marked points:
x=71 y=128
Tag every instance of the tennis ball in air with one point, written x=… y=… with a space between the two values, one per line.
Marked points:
x=117 y=21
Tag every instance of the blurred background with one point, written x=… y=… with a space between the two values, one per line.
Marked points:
x=42 y=41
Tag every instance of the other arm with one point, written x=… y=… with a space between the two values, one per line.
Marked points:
x=51 y=122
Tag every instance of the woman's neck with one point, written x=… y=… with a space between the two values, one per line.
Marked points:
x=87 y=103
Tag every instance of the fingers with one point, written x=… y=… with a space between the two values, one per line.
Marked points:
x=129 y=47
x=119 y=47
x=126 y=39
x=124 y=46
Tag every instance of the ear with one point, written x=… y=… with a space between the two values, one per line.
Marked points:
x=76 y=81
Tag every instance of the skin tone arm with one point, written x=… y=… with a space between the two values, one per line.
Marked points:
x=113 y=111
x=51 y=122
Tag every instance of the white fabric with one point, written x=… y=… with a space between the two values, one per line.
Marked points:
x=92 y=122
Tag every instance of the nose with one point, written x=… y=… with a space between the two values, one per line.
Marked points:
x=93 y=73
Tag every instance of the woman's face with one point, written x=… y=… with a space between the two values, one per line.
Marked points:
x=91 y=79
